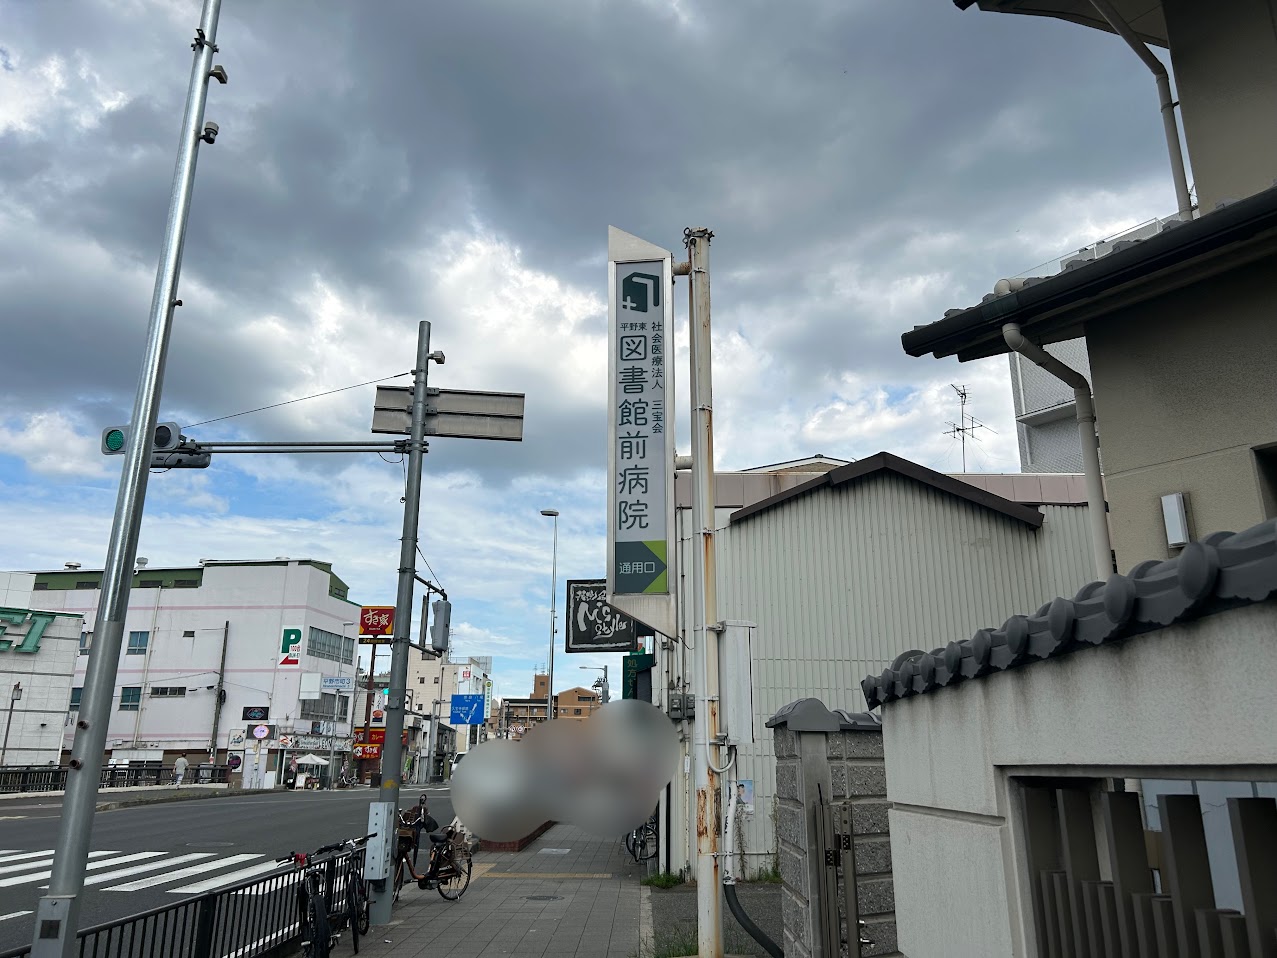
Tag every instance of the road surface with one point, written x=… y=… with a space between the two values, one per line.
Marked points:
x=151 y=855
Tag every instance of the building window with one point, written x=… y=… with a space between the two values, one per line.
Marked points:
x=85 y=642
x=168 y=691
x=188 y=634
x=137 y=643
x=149 y=584
x=130 y=698
x=330 y=645
x=40 y=587
x=75 y=697
x=421 y=680
x=187 y=584
x=436 y=680
x=576 y=711
x=86 y=584
x=321 y=709
x=585 y=698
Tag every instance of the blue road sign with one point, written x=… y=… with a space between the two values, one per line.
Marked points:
x=467 y=710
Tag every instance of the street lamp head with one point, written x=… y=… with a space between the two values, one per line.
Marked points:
x=549 y=512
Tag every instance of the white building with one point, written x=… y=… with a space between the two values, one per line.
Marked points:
x=842 y=567
x=433 y=682
x=38 y=652
x=249 y=630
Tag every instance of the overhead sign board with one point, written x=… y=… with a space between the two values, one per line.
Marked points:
x=339 y=683
x=467 y=710
x=290 y=649
x=594 y=625
x=640 y=433
x=454 y=413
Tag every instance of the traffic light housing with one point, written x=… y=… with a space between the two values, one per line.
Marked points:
x=439 y=628
x=169 y=449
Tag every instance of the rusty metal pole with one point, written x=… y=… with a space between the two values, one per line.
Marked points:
x=705 y=624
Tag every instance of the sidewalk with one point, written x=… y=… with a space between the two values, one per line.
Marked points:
x=567 y=895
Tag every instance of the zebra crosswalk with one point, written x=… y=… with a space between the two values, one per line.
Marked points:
x=187 y=873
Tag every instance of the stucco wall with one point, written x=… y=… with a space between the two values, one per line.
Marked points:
x=1185 y=387
x=1143 y=708
x=1225 y=60
x=34 y=727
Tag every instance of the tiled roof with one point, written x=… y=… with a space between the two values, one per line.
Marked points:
x=1223 y=571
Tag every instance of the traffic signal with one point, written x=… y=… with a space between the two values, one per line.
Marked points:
x=170 y=449
x=439 y=628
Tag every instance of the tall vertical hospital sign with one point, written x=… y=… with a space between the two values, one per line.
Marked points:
x=640 y=417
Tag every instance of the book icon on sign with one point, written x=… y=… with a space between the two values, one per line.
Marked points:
x=638 y=289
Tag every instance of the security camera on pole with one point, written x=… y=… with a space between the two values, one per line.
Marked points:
x=58 y=912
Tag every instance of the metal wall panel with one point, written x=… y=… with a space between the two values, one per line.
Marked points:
x=844 y=579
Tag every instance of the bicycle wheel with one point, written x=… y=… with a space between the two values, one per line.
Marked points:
x=353 y=912
x=459 y=867
x=629 y=843
x=645 y=847
x=399 y=870
x=317 y=927
x=364 y=912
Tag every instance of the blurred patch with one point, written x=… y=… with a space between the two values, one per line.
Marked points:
x=603 y=775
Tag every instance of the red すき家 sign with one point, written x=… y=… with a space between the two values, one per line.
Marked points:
x=377 y=620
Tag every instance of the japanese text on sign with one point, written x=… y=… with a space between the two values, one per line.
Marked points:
x=639 y=405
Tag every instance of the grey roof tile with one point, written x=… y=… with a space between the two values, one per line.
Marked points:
x=1222 y=571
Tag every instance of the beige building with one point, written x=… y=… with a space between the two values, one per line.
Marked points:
x=1177 y=324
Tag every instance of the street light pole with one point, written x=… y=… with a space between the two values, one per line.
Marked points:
x=332 y=732
x=58 y=912
x=604 y=689
x=14 y=696
x=554 y=622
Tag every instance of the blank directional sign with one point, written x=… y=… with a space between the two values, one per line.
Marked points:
x=455 y=413
x=467 y=710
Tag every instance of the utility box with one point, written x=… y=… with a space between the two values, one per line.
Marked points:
x=736 y=682
x=676 y=706
x=383 y=822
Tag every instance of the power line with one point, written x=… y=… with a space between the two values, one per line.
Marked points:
x=299 y=399
x=433 y=575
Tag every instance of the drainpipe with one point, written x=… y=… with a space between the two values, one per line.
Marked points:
x=1123 y=29
x=217 y=695
x=1085 y=405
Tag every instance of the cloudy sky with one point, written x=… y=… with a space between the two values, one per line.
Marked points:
x=863 y=165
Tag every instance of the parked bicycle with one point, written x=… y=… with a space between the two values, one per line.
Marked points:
x=641 y=843
x=449 y=866
x=322 y=914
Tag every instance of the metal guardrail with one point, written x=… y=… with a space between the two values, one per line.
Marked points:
x=257 y=918
x=53 y=778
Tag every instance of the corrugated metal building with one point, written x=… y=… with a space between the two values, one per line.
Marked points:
x=842 y=566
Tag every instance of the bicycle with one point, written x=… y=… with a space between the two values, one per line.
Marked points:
x=641 y=843
x=321 y=924
x=448 y=869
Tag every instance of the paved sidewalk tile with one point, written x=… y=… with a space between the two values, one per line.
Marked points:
x=567 y=895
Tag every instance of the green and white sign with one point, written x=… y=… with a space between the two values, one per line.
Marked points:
x=22 y=629
x=641 y=453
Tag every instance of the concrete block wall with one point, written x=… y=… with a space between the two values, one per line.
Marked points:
x=858 y=775
x=840 y=765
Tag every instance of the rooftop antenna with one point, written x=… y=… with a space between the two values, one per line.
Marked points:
x=966 y=424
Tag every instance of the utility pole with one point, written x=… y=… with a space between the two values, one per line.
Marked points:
x=217 y=696
x=705 y=623
x=392 y=750
x=58 y=912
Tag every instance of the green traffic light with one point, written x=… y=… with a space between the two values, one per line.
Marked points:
x=115 y=440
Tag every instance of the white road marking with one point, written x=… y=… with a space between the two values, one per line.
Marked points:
x=252 y=948
x=181 y=873
x=92 y=866
x=40 y=860
x=14 y=914
x=146 y=867
x=221 y=880
x=10 y=857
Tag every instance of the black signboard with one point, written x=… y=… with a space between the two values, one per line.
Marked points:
x=256 y=713
x=594 y=625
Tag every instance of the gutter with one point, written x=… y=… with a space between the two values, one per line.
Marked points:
x=1233 y=224
x=1123 y=29
x=1097 y=507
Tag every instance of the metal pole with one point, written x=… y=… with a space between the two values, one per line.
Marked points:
x=554 y=620
x=14 y=695
x=332 y=738
x=58 y=912
x=217 y=696
x=709 y=924
x=392 y=750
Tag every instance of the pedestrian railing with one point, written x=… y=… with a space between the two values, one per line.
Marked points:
x=52 y=778
x=257 y=918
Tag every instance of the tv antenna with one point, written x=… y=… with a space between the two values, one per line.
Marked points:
x=966 y=424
